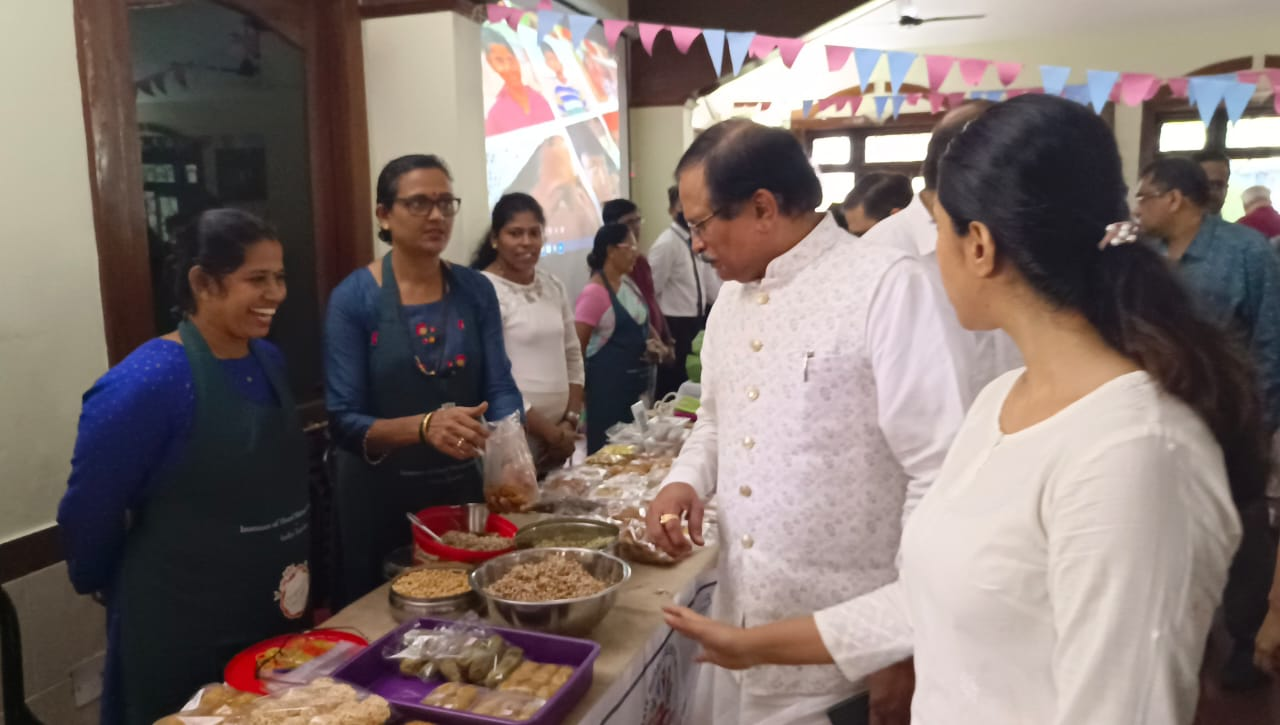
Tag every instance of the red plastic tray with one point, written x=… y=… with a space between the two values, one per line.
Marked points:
x=242 y=671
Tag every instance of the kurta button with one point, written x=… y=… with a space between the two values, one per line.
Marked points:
x=752 y=393
x=756 y=346
x=747 y=541
x=745 y=491
x=748 y=442
x=763 y=298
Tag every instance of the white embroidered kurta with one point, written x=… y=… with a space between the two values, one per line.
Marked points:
x=1061 y=575
x=983 y=355
x=829 y=399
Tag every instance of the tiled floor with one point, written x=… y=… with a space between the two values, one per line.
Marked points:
x=1260 y=707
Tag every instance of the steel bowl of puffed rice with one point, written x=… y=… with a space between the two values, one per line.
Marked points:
x=558 y=591
x=440 y=589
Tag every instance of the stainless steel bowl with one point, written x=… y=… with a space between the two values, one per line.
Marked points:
x=569 y=529
x=574 y=617
x=404 y=608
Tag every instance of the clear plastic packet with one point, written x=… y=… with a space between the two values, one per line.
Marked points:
x=635 y=546
x=322 y=665
x=464 y=653
x=510 y=477
x=508 y=705
x=323 y=700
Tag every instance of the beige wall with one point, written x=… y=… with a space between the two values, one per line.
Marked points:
x=422 y=82
x=659 y=136
x=51 y=336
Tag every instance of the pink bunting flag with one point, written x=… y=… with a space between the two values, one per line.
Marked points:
x=1178 y=86
x=837 y=57
x=1249 y=76
x=684 y=37
x=514 y=16
x=649 y=33
x=1015 y=92
x=938 y=67
x=855 y=102
x=936 y=102
x=1278 y=104
x=762 y=45
x=1008 y=72
x=496 y=13
x=914 y=98
x=1134 y=87
x=613 y=29
x=544 y=5
x=955 y=99
x=1273 y=75
x=766 y=105
x=972 y=70
x=831 y=102
x=789 y=49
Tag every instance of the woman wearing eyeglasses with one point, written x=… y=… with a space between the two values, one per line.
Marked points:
x=414 y=361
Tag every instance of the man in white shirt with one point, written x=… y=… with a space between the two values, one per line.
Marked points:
x=983 y=355
x=686 y=287
x=829 y=399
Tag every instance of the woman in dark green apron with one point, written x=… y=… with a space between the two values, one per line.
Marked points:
x=413 y=359
x=188 y=504
x=613 y=327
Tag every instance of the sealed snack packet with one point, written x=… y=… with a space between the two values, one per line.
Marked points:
x=510 y=477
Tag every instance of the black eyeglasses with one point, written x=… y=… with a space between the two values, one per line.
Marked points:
x=422 y=205
x=696 y=229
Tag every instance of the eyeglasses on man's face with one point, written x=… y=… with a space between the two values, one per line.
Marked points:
x=699 y=228
x=421 y=204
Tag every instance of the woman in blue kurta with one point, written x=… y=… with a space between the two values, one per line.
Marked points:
x=187 y=506
x=414 y=360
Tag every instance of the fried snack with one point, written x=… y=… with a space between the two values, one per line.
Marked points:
x=452 y=696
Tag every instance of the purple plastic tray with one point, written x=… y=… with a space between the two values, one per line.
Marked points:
x=373 y=672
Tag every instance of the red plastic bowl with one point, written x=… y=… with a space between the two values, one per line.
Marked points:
x=443 y=519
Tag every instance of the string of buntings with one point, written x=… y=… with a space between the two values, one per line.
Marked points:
x=1206 y=93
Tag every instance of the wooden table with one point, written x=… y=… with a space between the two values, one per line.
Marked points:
x=631 y=630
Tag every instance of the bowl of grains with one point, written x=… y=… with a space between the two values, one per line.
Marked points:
x=569 y=533
x=440 y=589
x=558 y=591
x=471 y=534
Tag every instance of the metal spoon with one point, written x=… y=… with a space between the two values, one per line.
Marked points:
x=418 y=522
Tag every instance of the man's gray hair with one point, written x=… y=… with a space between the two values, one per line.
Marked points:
x=1255 y=194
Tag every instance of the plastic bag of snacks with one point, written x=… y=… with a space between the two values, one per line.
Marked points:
x=635 y=546
x=323 y=701
x=510 y=478
x=463 y=653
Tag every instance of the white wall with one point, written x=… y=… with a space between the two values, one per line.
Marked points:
x=659 y=137
x=51 y=336
x=422 y=84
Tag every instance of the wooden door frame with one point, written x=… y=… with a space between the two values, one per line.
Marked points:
x=338 y=139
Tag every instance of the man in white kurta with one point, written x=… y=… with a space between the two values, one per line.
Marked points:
x=830 y=398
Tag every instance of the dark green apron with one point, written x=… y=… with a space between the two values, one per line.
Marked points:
x=617 y=375
x=216 y=558
x=370 y=501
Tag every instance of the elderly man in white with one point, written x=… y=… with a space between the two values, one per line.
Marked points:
x=830 y=397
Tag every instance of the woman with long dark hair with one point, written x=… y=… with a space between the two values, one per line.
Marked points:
x=1066 y=564
x=414 y=362
x=188 y=498
x=537 y=328
x=614 y=331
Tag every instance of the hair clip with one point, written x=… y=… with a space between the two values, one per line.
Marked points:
x=1119 y=233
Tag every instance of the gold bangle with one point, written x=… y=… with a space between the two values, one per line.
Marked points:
x=422 y=428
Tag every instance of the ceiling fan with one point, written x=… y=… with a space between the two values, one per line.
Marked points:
x=909 y=15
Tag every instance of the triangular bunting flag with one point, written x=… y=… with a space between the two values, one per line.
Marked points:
x=936 y=101
x=914 y=98
x=1054 y=78
x=900 y=62
x=1273 y=75
x=938 y=66
x=544 y=4
x=1008 y=72
x=866 y=60
x=739 y=44
x=972 y=70
x=1100 y=84
x=763 y=45
x=613 y=29
x=993 y=96
x=855 y=102
x=1249 y=76
x=881 y=102
x=496 y=13
x=807 y=108
x=766 y=105
x=514 y=17
x=837 y=57
x=1134 y=87
x=829 y=102
x=1178 y=86
x=789 y=49
x=684 y=37
x=547 y=21
x=1078 y=93
x=715 y=47
x=649 y=33
x=1237 y=99
x=1207 y=94
x=955 y=99
x=897 y=105
x=579 y=26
